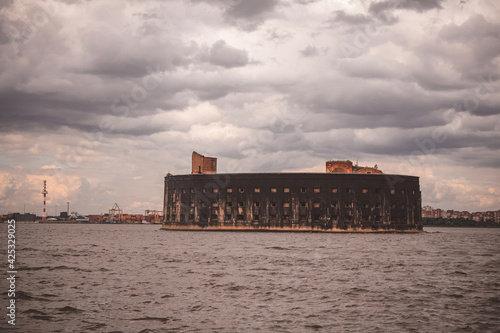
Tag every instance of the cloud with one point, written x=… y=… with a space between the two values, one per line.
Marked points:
x=310 y=51
x=416 y=5
x=248 y=15
x=243 y=14
x=224 y=55
x=241 y=9
x=479 y=43
x=50 y=167
x=341 y=16
x=115 y=55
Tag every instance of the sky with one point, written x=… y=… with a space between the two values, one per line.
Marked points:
x=103 y=98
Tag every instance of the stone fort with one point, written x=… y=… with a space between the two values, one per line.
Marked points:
x=346 y=197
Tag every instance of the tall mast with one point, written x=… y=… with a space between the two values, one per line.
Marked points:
x=44 y=192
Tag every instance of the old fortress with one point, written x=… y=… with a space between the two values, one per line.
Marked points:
x=346 y=197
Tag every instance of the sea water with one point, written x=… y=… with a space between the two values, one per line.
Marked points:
x=137 y=278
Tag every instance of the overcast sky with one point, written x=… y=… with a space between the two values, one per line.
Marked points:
x=103 y=98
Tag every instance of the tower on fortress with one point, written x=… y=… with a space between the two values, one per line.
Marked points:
x=347 y=167
x=202 y=164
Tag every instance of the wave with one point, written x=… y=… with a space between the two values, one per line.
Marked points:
x=277 y=248
x=163 y=320
x=69 y=309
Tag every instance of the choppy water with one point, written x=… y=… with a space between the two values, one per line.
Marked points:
x=136 y=278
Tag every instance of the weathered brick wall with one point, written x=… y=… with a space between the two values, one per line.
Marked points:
x=339 y=166
x=209 y=165
x=368 y=170
x=201 y=164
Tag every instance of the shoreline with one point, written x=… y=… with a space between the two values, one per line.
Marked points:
x=459 y=226
x=251 y=229
x=86 y=222
x=292 y=230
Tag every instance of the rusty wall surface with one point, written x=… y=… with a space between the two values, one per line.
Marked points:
x=294 y=200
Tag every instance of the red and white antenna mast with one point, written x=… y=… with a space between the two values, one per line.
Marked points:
x=44 y=192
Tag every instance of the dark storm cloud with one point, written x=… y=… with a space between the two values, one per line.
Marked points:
x=480 y=158
x=124 y=68
x=275 y=35
x=224 y=55
x=482 y=39
x=25 y=111
x=74 y=2
x=380 y=140
x=310 y=51
x=306 y=2
x=333 y=120
x=129 y=56
x=472 y=140
x=117 y=58
x=366 y=68
x=212 y=93
x=6 y=3
x=477 y=107
x=397 y=142
x=134 y=131
x=232 y=152
x=249 y=9
x=341 y=16
x=420 y=5
x=416 y=5
x=249 y=14
x=370 y=99
x=289 y=141
x=430 y=80
x=281 y=160
x=38 y=112
x=245 y=14
x=148 y=15
x=5 y=37
x=474 y=28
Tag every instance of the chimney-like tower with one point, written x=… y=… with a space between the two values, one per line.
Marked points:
x=201 y=164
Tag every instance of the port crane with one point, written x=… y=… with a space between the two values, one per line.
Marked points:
x=155 y=213
x=115 y=211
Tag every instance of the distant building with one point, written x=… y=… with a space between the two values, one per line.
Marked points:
x=428 y=211
x=21 y=217
x=489 y=216
x=477 y=216
x=96 y=218
x=465 y=215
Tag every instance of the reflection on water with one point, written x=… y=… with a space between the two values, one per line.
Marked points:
x=136 y=278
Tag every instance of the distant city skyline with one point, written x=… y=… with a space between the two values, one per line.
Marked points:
x=103 y=98
x=428 y=211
